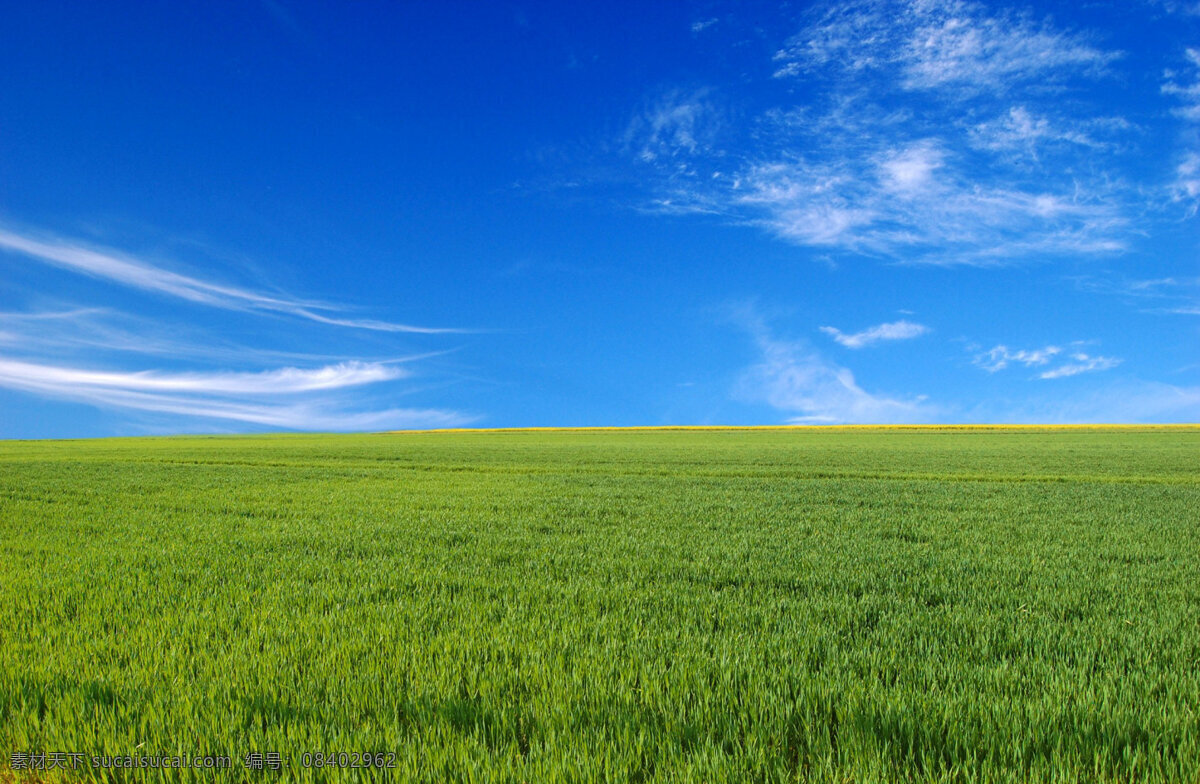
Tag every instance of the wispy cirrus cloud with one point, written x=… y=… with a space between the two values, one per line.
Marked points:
x=1081 y=363
x=283 y=381
x=260 y=398
x=1184 y=85
x=908 y=204
x=135 y=273
x=96 y=355
x=895 y=330
x=1178 y=295
x=678 y=124
x=959 y=44
x=854 y=167
x=1022 y=131
x=71 y=331
x=937 y=45
x=1000 y=357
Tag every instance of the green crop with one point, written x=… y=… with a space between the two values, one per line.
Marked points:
x=629 y=606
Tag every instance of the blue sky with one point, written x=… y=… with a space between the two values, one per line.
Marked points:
x=283 y=215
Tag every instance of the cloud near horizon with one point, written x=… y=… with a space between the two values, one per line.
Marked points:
x=1123 y=401
x=316 y=397
x=257 y=398
x=795 y=379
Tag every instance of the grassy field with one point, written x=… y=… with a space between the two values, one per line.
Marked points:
x=677 y=605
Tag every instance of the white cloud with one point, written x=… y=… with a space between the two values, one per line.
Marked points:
x=911 y=169
x=51 y=315
x=1081 y=363
x=810 y=204
x=678 y=124
x=797 y=380
x=937 y=44
x=64 y=352
x=1021 y=130
x=951 y=219
x=849 y=170
x=998 y=357
x=1156 y=284
x=1168 y=295
x=896 y=330
x=256 y=398
x=271 y=382
x=1186 y=87
x=1187 y=177
x=93 y=331
x=961 y=44
x=135 y=273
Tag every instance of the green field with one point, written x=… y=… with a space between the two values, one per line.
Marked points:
x=675 y=605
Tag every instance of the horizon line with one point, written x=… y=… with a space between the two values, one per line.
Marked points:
x=626 y=428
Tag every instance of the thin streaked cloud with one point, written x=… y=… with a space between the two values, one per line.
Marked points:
x=1024 y=132
x=1081 y=363
x=255 y=398
x=999 y=357
x=895 y=330
x=92 y=331
x=136 y=273
x=95 y=355
x=283 y=381
x=1184 y=85
x=1171 y=295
